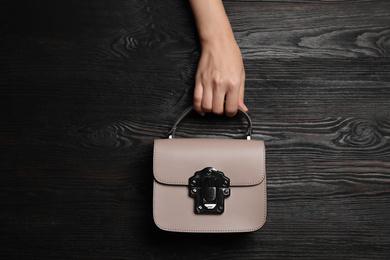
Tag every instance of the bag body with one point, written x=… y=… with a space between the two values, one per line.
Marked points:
x=209 y=185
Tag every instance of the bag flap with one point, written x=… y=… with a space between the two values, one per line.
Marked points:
x=176 y=160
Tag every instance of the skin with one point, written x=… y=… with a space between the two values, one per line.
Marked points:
x=220 y=78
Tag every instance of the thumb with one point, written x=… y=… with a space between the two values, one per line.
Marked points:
x=242 y=106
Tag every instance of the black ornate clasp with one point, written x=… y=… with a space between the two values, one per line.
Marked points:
x=209 y=187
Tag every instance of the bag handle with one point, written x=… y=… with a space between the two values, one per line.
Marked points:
x=171 y=132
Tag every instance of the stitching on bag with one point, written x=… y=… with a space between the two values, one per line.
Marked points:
x=154 y=159
x=156 y=176
x=209 y=231
x=216 y=231
x=154 y=207
x=206 y=230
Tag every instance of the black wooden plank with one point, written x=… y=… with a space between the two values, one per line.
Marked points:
x=87 y=86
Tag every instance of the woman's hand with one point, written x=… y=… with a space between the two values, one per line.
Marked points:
x=220 y=78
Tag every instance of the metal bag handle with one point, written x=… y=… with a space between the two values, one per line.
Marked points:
x=171 y=132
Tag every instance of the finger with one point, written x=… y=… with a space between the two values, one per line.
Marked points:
x=198 y=94
x=231 y=104
x=218 y=102
x=207 y=99
x=241 y=103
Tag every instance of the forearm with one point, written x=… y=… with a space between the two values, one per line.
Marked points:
x=211 y=20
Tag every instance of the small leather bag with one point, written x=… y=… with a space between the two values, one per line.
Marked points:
x=209 y=185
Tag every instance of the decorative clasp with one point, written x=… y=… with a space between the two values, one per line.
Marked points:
x=209 y=187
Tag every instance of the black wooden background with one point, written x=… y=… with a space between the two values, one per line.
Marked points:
x=86 y=86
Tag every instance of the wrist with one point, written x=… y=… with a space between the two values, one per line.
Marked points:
x=216 y=36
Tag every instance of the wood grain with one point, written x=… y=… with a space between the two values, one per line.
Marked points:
x=86 y=86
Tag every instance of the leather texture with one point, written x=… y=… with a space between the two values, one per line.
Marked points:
x=242 y=161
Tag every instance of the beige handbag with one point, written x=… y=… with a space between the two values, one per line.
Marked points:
x=209 y=185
